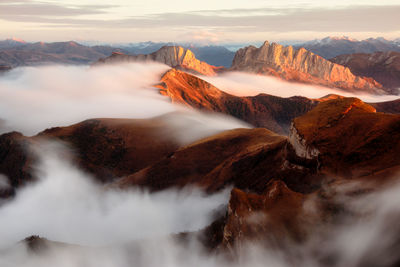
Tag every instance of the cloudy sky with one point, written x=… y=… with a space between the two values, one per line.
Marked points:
x=208 y=21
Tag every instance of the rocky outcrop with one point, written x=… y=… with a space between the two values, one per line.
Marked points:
x=271 y=112
x=384 y=67
x=348 y=138
x=173 y=56
x=300 y=66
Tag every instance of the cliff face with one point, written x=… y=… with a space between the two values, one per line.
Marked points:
x=300 y=65
x=384 y=67
x=174 y=56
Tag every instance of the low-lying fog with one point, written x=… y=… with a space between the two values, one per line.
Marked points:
x=36 y=98
x=246 y=84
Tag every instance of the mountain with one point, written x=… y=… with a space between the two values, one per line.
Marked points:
x=31 y=54
x=300 y=66
x=174 y=56
x=212 y=54
x=276 y=179
x=145 y=47
x=330 y=47
x=342 y=138
x=285 y=190
x=348 y=138
x=17 y=52
x=110 y=148
x=12 y=43
x=107 y=148
x=245 y=158
x=384 y=67
x=271 y=112
x=392 y=107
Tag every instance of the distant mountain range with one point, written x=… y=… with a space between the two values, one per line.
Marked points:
x=214 y=55
x=384 y=67
x=376 y=73
x=15 y=52
x=330 y=47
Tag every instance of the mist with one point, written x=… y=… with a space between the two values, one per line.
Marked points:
x=246 y=84
x=66 y=205
x=106 y=227
x=37 y=98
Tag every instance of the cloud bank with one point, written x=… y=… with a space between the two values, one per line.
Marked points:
x=246 y=84
x=65 y=205
x=33 y=99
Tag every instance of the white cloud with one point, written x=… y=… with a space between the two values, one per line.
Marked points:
x=33 y=99
x=246 y=84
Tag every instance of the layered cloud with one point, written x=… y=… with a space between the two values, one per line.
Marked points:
x=235 y=23
x=247 y=84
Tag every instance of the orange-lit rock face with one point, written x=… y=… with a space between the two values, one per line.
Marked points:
x=299 y=65
x=348 y=137
x=173 y=56
x=271 y=112
x=189 y=90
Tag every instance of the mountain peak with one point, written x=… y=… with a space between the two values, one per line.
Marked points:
x=339 y=38
x=173 y=56
x=301 y=65
x=16 y=40
x=266 y=43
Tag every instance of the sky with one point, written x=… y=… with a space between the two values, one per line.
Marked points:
x=205 y=21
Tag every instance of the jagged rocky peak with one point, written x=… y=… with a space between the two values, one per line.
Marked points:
x=300 y=65
x=173 y=56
